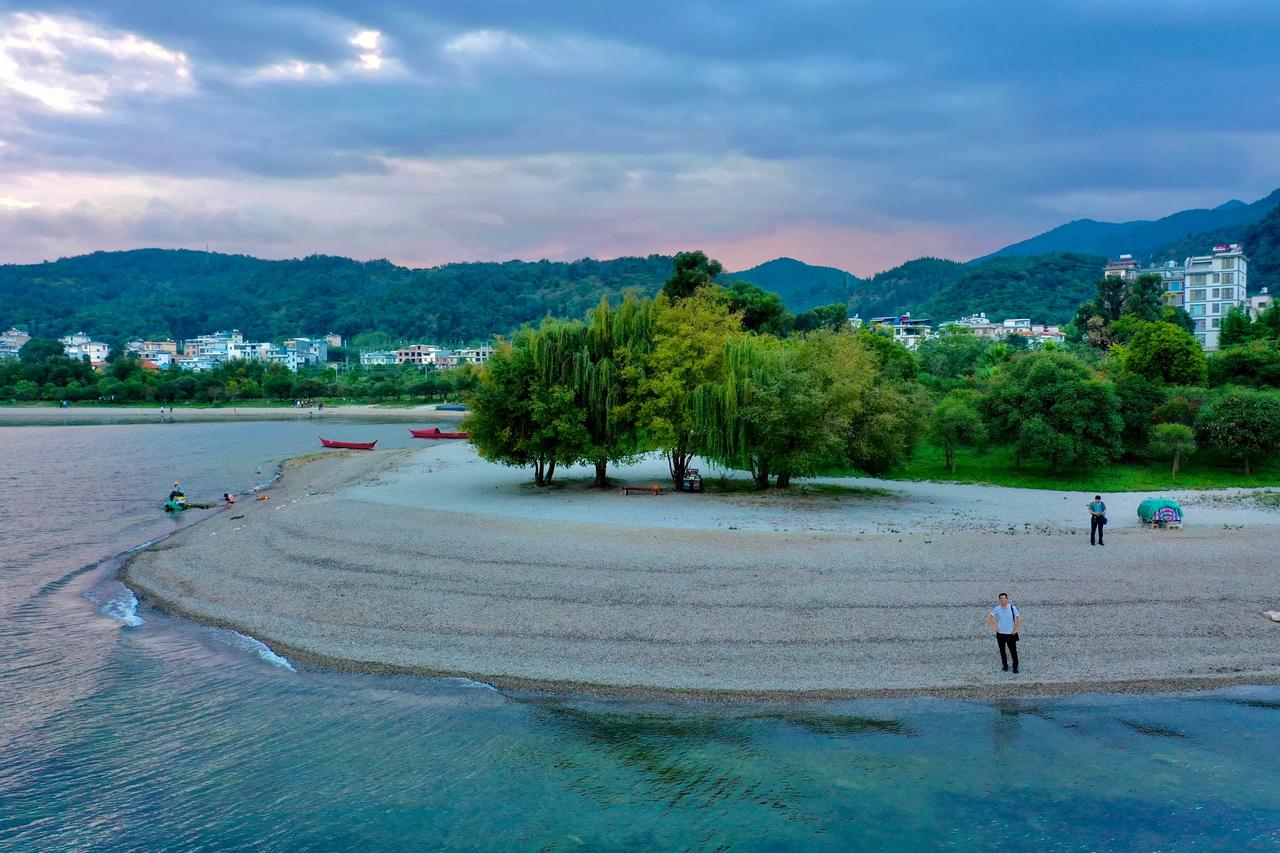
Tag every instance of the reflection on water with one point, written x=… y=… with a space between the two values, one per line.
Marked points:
x=126 y=728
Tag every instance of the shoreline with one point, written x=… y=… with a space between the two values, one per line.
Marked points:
x=346 y=641
x=87 y=415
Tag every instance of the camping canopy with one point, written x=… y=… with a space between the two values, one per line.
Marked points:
x=1159 y=509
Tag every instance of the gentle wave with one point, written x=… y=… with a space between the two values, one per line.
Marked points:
x=257 y=647
x=124 y=609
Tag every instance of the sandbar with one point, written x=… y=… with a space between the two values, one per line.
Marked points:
x=432 y=561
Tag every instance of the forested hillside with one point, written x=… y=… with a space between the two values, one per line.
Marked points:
x=153 y=292
x=802 y=286
x=903 y=288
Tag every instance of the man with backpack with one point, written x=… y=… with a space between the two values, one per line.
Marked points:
x=1006 y=621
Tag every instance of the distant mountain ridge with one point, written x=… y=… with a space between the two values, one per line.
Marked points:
x=1142 y=237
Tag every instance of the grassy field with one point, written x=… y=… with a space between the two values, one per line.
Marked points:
x=1201 y=471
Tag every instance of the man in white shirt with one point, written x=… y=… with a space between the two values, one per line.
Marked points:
x=1006 y=620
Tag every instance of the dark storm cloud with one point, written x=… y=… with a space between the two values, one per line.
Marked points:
x=982 y=116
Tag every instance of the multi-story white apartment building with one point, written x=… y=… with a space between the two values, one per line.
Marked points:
x=475 y=355
x=160 y=353
x=11 y=342
x=1214 y=285
x=907 y=330
x=1205 y=286
x=423 y=355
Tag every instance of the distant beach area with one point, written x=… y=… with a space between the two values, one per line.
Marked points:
x=53 y=415
x=432 y=561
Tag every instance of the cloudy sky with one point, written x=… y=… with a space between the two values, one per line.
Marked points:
x=857 y=134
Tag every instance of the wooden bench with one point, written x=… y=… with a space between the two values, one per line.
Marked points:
x=653 y=490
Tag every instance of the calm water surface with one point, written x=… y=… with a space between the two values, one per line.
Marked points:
x=123 y=728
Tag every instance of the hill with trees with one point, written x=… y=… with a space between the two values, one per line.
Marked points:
x=802 y=286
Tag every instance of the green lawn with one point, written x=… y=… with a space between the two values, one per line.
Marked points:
x=1202 y=471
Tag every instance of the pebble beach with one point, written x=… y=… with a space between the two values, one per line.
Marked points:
x=432 y=561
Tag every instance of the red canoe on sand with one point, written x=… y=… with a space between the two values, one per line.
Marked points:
x=435 y=432
x=348 y=445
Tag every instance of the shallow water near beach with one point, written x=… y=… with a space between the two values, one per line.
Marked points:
x=123 y=727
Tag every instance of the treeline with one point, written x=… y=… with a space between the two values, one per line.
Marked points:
x=695 y=372
x=43 y=372
x=692 y=373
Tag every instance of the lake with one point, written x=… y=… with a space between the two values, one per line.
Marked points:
x=123 y=727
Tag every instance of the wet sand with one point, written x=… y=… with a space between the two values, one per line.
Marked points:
x=432 y=561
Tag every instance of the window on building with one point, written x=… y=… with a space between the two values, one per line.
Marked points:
x=1228 y=263
x=1196 y=310
x=1213 y=308
x=1214 y=278
x=1228 y=278
x=1199 y=325
x=1197 y=296
x=1214 y=323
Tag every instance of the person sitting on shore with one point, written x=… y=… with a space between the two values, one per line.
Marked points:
x=228 y=498
x=1006 y=620
x=177 y=495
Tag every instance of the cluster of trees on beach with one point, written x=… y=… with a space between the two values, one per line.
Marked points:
x=44 y=372
x=706 y=370
x=699 y=370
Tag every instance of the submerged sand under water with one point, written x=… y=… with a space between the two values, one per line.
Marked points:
x=433 y=561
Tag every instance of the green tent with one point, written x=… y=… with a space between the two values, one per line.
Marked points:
x=1160 y=511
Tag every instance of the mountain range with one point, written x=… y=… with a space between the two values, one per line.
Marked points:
x=181 y=293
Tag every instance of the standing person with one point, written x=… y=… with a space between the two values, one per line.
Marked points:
x=1097 y=519
x=1006 y=620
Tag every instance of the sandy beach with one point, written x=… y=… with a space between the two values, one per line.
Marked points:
x=52 y=415
x=432 y=561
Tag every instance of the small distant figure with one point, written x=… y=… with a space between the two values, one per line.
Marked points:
x=228 y=498
x=1006 y=620
x=1097 y=519
x=320 y=406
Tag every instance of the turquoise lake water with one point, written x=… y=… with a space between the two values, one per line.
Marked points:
x=124 y=728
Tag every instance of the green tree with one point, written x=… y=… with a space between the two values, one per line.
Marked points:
x=1174 y=440
x=1242 y=423
x=1166 y=353
x=41 y=349
x=1235 y=328
x=1047 y=405
x=833 y=317
x=952 y=353
x=690 y=271
x=1254 y=363
x=762 y=311
x=278 y=386
x=956 y=422
x=1139 y=398
x=26 y=390
x=689 y=338
x=1144 y=298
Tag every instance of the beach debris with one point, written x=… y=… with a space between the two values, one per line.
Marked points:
x=1273 y=615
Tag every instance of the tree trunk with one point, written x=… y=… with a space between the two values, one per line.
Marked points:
x=1017 y=460
x=678 y=463
x=1176 y=454
x=784 y=480
x=601 y=479
x=951 y=459
x=1247 y=472
x=551 y=470
x=537 y=473
x=761 y=476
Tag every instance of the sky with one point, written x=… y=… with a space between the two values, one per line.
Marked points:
x=852 y=134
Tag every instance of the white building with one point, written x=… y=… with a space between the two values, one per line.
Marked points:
x=375 y=358
x=1259 y=302
x=906 y=330
x=423 y=355
x=1214 y=285
x=11 y=342
x=81 y=346
x=475 y=355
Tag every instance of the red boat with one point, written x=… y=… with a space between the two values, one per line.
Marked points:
x=348 y=445
x=435 y=432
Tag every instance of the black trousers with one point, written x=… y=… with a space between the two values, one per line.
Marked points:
x=1011 y=642
x=1096 y=526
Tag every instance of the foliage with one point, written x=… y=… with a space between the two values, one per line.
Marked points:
x=1235 y=329
x=957 y=422
x=952 y=353
x=1047 y=405
x=1047 y=288
x=833 y=318
x=1139 y=398
x=178 y=294
x=1144 y=298
x=904 y=288
x=801 y=286
x=1173 y=440
x=1165 y=353
x=1254 y=363
x=761 y=311
x=894 y=361
x=690 y=271
x=1242 y=423
x=689 y=337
